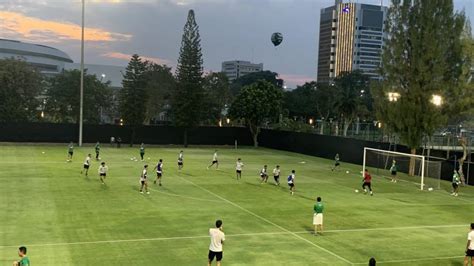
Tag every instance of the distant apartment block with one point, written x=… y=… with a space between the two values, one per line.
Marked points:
x=351 y=37
x=237 y=69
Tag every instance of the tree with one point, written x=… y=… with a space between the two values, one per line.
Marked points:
x=251 y=78
x=20 y=86
x=352 y=96
x=422 y=58
x=63 y=97
x=133 y=96
x=325 y=103
x=301 y=101
x=160 y=84
x=217 y=95
x=257 y=103
x=188 y=96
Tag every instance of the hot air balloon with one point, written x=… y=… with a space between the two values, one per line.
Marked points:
x=277 y=38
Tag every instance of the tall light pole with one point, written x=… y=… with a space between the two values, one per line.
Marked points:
x=81 y=105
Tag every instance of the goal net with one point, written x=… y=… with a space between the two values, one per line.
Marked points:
x=427 y=172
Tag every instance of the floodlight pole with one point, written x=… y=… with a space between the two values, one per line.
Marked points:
x=81 y=105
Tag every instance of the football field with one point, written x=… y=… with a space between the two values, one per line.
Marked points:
x=65 y=218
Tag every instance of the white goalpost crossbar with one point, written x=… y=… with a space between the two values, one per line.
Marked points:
x=398 y=153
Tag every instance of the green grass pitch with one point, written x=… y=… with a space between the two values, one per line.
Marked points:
x=67 y=219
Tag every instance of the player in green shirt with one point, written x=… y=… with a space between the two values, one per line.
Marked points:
x=318 y=216
x=97 y=151
x=142 y=150
x=70 y=151
x=393 y=171
x=24 y=261
x=456 y=183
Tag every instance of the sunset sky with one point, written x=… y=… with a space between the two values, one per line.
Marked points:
x=230 y=29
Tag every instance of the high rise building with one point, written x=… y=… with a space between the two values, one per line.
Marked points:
x=237 y=69
x=351 y=37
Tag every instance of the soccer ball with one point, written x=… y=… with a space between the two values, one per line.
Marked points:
x=430 y=189
x=347 y=172
x=42 y=152
x=356 y=191
x=148 y=158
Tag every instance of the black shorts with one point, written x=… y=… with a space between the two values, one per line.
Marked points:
x=263 y=175
x=394 y=173
x=470 y=253
x=159 y=174
x=276 y=177
x=455 y=185
x=336 y=164
x=180 y=163
x=143 y=182
x=86 y=166
x=213 y=162
x=102 y=174
x=291 y=184
x=70 y=153
x=238 y=171
x=217 y=255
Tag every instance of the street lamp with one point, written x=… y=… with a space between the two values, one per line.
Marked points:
x=393 y=96
x=437 y=100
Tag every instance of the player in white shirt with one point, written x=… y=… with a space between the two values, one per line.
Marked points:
x=103 y=172
x=217 y=240
x=276 y=175
x=263 y=174
x=180 y=160
x=87 y=164
x=214 y=160
x=143 y=179
x=291 y=182
x=470 y=247
x=238 y=168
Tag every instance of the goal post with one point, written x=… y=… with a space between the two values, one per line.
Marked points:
x=381 y=161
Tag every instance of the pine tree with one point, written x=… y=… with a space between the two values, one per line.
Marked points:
x=188 y=96
x=133 y=96
x=422 y=57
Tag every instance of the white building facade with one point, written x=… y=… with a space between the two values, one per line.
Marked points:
x=236 y=69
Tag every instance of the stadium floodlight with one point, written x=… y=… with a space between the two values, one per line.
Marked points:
x=427 y=173
x=311 y=121
x=228 y=120
x=81 y=104
x=437 y=100
x=393 y=96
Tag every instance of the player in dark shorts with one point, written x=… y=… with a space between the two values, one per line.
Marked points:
x=87 y=164
x=70 y=152
x=159 y=172
x=336 y=162
x=180 y=160
x=97 y=151
x=291 y=182
x=103 y=172
x=142 y=150
x=143 y=179
x=264 y=174
x=276 y=175
x=214 y=161
x=470 y=247
x=367 y=182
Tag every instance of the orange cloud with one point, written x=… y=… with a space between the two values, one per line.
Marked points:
x=32 y=28
x=295 y=79
x=122 y=56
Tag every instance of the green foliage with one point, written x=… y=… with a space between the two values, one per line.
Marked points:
x=257 y=103
x=217 y=95
x=20 y=86
x=63 y=98
x=289 y=124
x=133 y=96
x=188 y=96
x=301 y=102
x=160 y=84
x=251 y=78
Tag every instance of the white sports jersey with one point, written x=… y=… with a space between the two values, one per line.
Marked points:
x=239 y=165
x=217 y=236
x=214 y=158
x=103 y=169
x=144 y=175
x=263 y=171
x=180 y=157
x=292 y=180
x=87 y=161
x=276 y=172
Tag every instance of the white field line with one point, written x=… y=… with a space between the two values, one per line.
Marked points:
x=236 y=235
x=182 y=196
x=412 y=260
x=270 y=222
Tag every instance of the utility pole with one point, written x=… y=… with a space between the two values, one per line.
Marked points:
x=81 y=105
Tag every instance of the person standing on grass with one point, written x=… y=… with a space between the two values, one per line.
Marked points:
x=24 y=260
x=97 y=151
x=217 y=240
x=456 y=183
x=367 y=182
x=159 y=172
x=393 y=171
x=238 y=169
x=214 y=160
x=143 y=179
x=142 y=150
x=263 y=174
x=103 y=172
x=318 y=216
x=70 y=151
x=291 y=182
x=87 y=164
x=470 y=247
x=336 y=162
x=276 y=175
x=180 y=160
